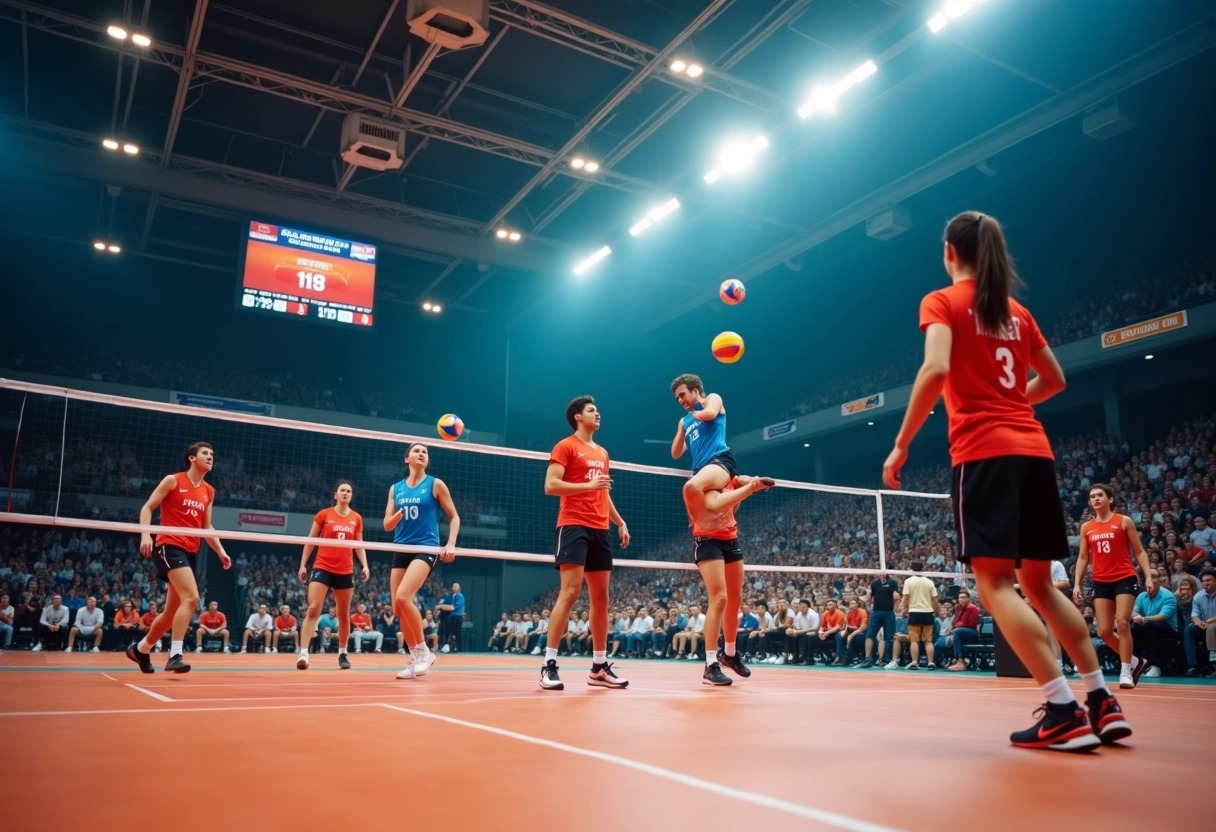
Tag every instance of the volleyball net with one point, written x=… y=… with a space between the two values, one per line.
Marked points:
x=77 y=459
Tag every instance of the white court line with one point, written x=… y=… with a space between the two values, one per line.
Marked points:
x=158 y=697
x=108 y=676
x=183 y=710
x=821 y=815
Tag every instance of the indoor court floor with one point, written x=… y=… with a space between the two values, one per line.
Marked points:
x=249 y=742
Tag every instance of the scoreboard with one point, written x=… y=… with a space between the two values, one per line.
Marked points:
x=307 y=275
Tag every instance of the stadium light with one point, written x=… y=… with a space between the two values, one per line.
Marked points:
x=433 y=308
x=736 y=157
x=1148 y=357
x=825 y=98
x=654 y=215
x=116 y=32
x=109 y=144
x=99 y=245
x=508 y=234
x=130 y=149
x=113 y=248
x=141 y=40
x=679 y=66
x=583 y=267
x=514 y=236
x=950 y=10
x=694 y=70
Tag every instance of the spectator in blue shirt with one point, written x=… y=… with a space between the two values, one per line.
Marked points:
x=1201 y=632
x=451 y=620
x=1204 y=536
x=1154 y=626
x=327 y=629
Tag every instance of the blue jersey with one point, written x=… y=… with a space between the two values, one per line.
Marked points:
x=705 y=440
x=419 y=524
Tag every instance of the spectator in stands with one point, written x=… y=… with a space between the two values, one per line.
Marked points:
x=7 y=614
x=920 y=603
x=804 y=626
x=749 y=623
x=856 y=621
x=831 y=633
x=899 y=638
x=389 y=628
x=361 y=630
x=259 y=626
x=1204 y=537
x=327 y=627
x=145 y=621
x=451 y=619
x=430 y=631
x=211 y=624
x=1201 y=633
x=285 y=627
x=884 y=595
x=639 y=633
x=53 y=629
x=687 y=640
x=90 y=623
x=499 y=635
x=964 y=629
x=539 y=634
x=1155 y=626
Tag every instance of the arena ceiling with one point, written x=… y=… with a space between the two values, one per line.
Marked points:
x=237 y=107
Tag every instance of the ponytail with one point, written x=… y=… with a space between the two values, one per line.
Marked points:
x=978 y=242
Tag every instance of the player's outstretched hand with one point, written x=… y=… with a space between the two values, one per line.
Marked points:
x=890 y=468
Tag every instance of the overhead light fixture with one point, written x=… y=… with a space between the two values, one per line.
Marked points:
x=584 y=164
x=591 y=167
x=130 y=149
x=116 y=32
x=514 y=236
x=654 y=215
x=433 y=308
x=736 y=156
x=113 y=248
x=583 y=267
x=680 y=66
x=1148 y=357
x=141 y=40
x=577 y=162
x=950 y=10
x=806 y=444
x=508 y=234
x=825 y=98
x=694 y=70
x=109 y=144
x=501 y=233
x=871 y=424
x=99 y=245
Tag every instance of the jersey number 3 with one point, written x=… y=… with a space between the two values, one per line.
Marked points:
x=1005 y=356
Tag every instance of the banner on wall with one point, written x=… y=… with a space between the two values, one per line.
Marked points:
x=218 y=403
x=262 y=521
x=781 y=429
x=862 y=405
x=1144 y=329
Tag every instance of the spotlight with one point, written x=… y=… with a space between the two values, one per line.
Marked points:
x=501 y=233
x=436 y=308
x=99 y=245
x=654 y=215
x=679 y=66
x=806 y=444
x=514 y=236
x=116 y=32
x=591 y=167
x=871 y=424
x=113 y=249
x=736 y=157
x=141 y=40
x=825 y=98
x=1148 y=357
x=130 y=149
x=938 y=22
x=584 y=266
x=577 y=162
x=109 y=144
x=694 y=70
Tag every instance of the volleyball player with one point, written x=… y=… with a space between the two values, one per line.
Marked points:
x=578 y=474
x=980 y=344
x=719 y=558
x=412 y=515
x=703 y=431
x=333 y=569
x=184 y=500
x=1109 y=540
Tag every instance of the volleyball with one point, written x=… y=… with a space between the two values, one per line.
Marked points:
x=450 y=427
x=728 y=347
x=732 y=291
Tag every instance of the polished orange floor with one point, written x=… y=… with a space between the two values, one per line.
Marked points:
x=248 y=742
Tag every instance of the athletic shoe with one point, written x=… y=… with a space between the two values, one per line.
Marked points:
x=1153 y=672
x=142 y=659
x=714 y=676
x=423 y=662
x=866 y=665
x=603 y=677
x=343 y=662
x=1060 y=728
x=734 y=664
x=96 y=650
x=1107 y=717
x=407 y=672
x=302 y=663
x=912 y=666
x=1138 y=668
x=891 y=665
x=37 y=648
x=549 y=680
x=1126 y=681
x=444 y=649
x=536 y=650
x=176 y=665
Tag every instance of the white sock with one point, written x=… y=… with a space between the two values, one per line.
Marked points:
x=550 y=654
x=710 y=658
x=599 y=656
x=175 y=648
x=1057 y=692
x=304 y=652
x=341 y=651
x=420 y=648
x=729 y=648
x=143 y=646
x=1125 y=668
x=1094 y=682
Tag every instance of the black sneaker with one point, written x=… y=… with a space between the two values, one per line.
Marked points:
x=713 y=675
x=343 y=662
x=602 y=676
x=734 y=664
x=142 y=659
x=866 y=665
x=176 y=665
x=1060 y=728
x=549 y=680
x=1106 y=717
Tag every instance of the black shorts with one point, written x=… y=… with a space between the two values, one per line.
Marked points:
x=1109 y=589
x=168 y=558
x=920 y=619
x=401 y=561
x=333 y=580
x=583 y=546
x=1008 y=507
x=725 y=460
x=713 y=548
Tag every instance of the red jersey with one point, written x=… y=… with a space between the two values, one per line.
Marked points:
x=213 y=620
x=728 y=532
x=1109 y=550
x=587 y=508
x=985 y=390
x=186 y=506
x=284 y=623
x=360 y=621
x=334 y=526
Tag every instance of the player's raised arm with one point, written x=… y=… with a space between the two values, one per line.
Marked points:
x=711 y=408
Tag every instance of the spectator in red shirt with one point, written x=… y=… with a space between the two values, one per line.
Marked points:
x=145 y=623
x=362 y=629
x=125 y=626
x=856 y=621
x=211 y=623
x=831 y=626
x=284 y=627
x=965 y=628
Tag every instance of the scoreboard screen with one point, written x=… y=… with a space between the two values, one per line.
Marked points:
x=303 y=274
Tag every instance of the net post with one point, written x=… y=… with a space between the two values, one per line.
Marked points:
x=63 y=453
x=882 y=534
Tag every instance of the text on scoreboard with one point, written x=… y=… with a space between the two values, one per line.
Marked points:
x=309 y=275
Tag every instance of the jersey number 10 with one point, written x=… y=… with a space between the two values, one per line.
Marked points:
x=409 y=512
